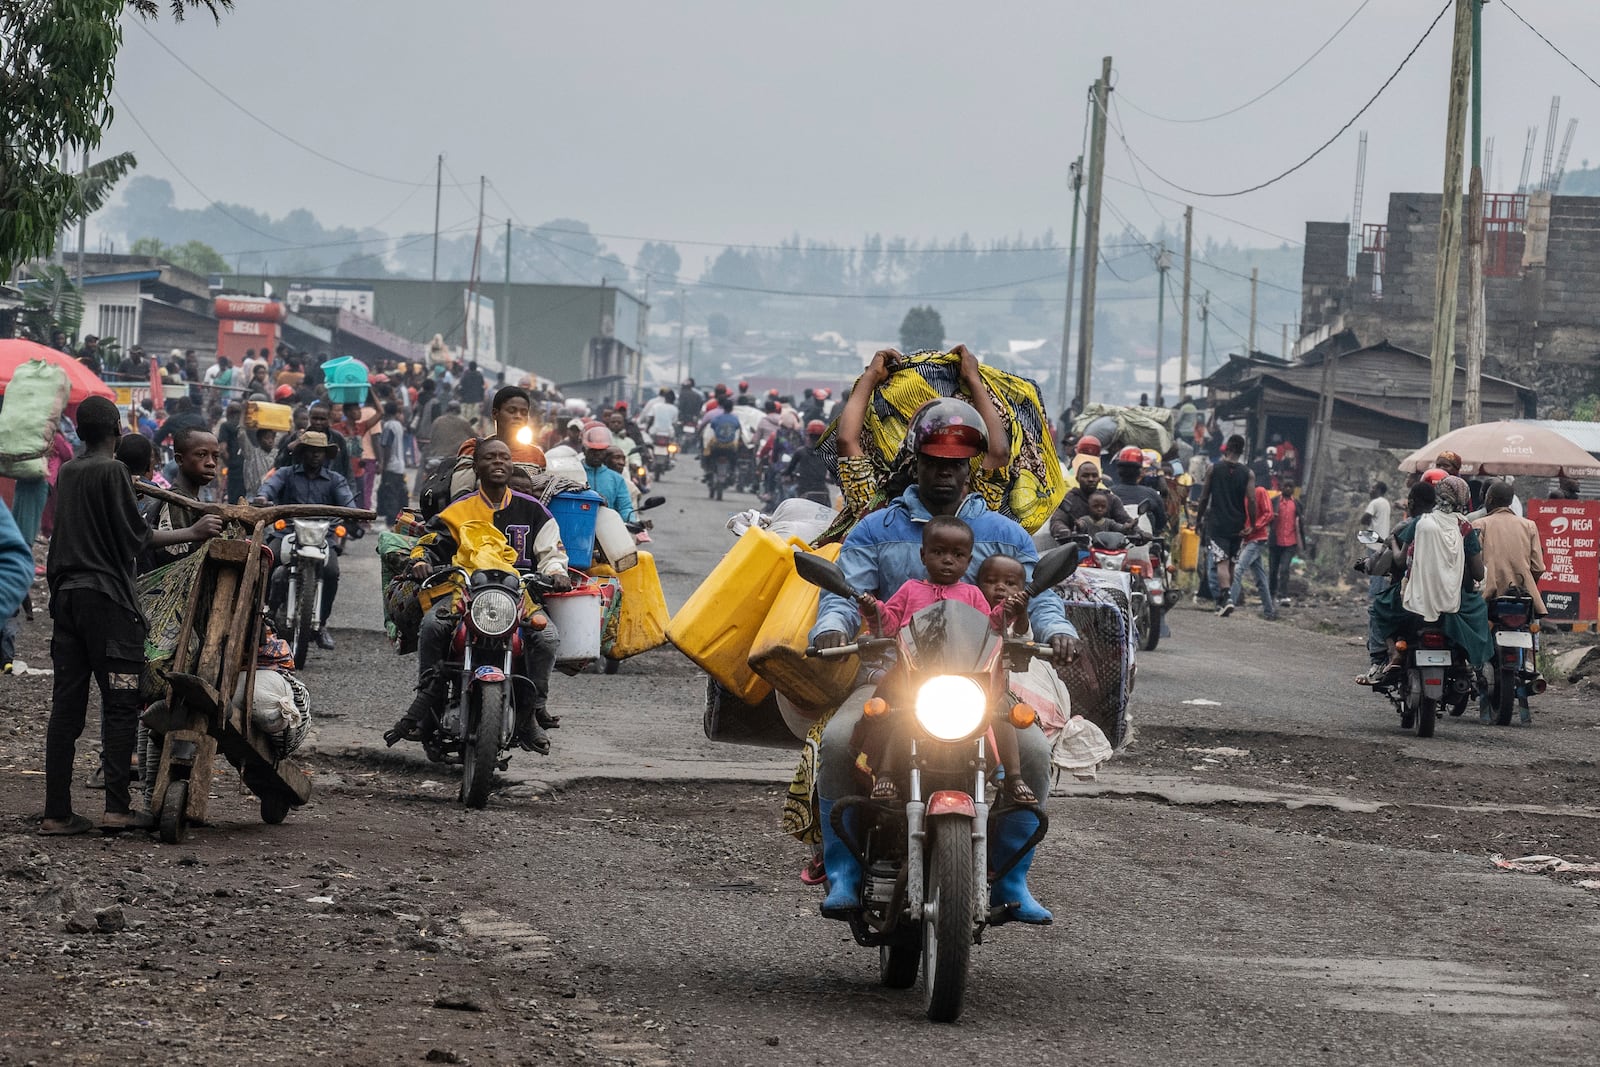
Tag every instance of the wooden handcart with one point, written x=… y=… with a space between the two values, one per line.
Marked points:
x=222 y=631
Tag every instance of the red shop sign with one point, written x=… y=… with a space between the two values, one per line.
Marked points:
x=1569 y=532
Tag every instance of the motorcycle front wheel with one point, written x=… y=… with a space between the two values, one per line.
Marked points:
x=1149 y=627
x=483 y=744
x=305 y=617
x=947 y=933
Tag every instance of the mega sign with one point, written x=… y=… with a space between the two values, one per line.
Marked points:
x=1569 y=531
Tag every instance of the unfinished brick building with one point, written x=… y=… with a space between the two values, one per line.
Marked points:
x=1542 y=288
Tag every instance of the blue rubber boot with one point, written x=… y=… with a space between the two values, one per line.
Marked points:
x=1009 y=832
x=844 y=873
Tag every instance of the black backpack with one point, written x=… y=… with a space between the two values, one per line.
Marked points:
x=435 y=495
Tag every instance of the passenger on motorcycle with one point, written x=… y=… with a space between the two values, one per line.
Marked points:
x=1075 y=505
x=309 y=481
x=808 y=472
x=880 y=554
x=722 y=437
x=532 y=532
x=1128 y=488
x=1443 y=562
x=612 y=487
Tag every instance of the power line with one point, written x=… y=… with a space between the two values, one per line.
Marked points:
x=269 y=126
x=1551 y=43
x=163 y=152
x=1238 y=274
x=1270 y=89
x=1213 y=214
x=1121 y=136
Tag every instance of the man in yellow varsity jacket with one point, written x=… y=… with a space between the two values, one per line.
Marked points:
x=536 y=539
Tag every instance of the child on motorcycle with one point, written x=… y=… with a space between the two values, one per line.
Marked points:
x=946 y=554
x=1099 y=518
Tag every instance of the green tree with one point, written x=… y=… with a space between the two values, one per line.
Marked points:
x=57 y=61
x=921 y=329
x=50 y=302
x=196 y=257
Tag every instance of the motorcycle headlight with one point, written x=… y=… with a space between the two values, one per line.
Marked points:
x=493 y=612
x=311 y=533
x=951 y=707
x=672 y=449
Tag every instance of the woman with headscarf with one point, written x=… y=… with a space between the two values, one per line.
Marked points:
x=1443 y=558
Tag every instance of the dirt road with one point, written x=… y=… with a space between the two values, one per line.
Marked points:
x=1275 y=877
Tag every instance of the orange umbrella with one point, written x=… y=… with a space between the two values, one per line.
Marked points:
x=15 y=351
x=1495 y=448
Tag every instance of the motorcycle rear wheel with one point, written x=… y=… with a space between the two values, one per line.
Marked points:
x=1427 y=716
x=1149 y=627
x=482 y=749
x=304 y=620
x=1505 y=696
x=947 y=936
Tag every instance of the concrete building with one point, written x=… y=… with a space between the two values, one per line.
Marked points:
x=1542 y=287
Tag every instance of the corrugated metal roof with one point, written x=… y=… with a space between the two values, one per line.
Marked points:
x=1586 y=435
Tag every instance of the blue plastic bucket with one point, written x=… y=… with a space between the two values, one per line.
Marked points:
x=346 y=379
x=576 y=514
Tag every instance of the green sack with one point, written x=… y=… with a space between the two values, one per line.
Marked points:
x=34 y=400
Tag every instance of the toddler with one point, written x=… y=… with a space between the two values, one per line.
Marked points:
x=1098 y=520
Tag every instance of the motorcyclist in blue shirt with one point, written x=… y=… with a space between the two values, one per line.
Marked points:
x=881 y=553
x=611 y=486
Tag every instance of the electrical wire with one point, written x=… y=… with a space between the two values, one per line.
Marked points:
x=1213 y=214
x=1121 y=136
x=1570 y=62
x=1270 y=89
x=123 y=104
x=269 y=126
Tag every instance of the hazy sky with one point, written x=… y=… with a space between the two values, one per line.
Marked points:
x=749 y=121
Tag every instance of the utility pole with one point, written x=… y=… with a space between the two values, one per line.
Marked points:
x=1063 y=393
x=438 y=188
x=1449 y=265
x=681 y=313
x=1205 y=329
x=1255 y=276
x=644 y=333
x=471 y=318
x=1183 y=342
x=1163 y=264
x=504 y=333
x=689 y=367
x=1091 y=237
x=83 y=224
x=1472 y=405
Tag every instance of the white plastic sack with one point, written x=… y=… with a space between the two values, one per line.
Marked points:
x=1079 y=749
x=279 y=706
x=805 y=519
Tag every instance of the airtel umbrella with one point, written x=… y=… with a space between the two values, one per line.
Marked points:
x=15 y=351
x=1499 y=448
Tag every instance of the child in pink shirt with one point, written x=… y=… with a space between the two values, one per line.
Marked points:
x=946 y=555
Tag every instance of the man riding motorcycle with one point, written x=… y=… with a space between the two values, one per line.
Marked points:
x=880 y=554
x=722 y=436
x=1126 y=485
x=612 y=487
x=532 y=532
x=309 y=481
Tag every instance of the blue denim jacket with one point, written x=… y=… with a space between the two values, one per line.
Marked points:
x=884 y=551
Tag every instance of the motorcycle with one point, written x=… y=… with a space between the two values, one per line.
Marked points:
x=477 y=729
x=1516 y=648
x=721 y=466
x=688 y=439
x=1142 y=558
x=925 y=859
x=303 y=549
x=1434 y=675
x=663 y=455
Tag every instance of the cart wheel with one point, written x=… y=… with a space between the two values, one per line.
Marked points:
x=175 y=813
x=274 y=810
x=612 y=665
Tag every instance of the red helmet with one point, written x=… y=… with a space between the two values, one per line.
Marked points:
x=948 y=428
x=1089 y=446
x=744 y=386
x=284 y=392
x=1433 y=475
x=720 y=390
x=816 y=428
x=1132 y=454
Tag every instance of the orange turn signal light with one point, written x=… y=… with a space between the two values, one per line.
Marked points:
x=338 y=531
x=1023 y=716
x=1136 y=568
x=279 y=525
x=1533 y=627
x=1401 y=646
x=875 y=707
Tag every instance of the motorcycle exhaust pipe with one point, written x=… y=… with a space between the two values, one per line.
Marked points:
x=1540 y=684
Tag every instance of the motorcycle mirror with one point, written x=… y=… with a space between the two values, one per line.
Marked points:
x=651 y=502
x=1053 y=568
x=824 y=573
x=1367 y=537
